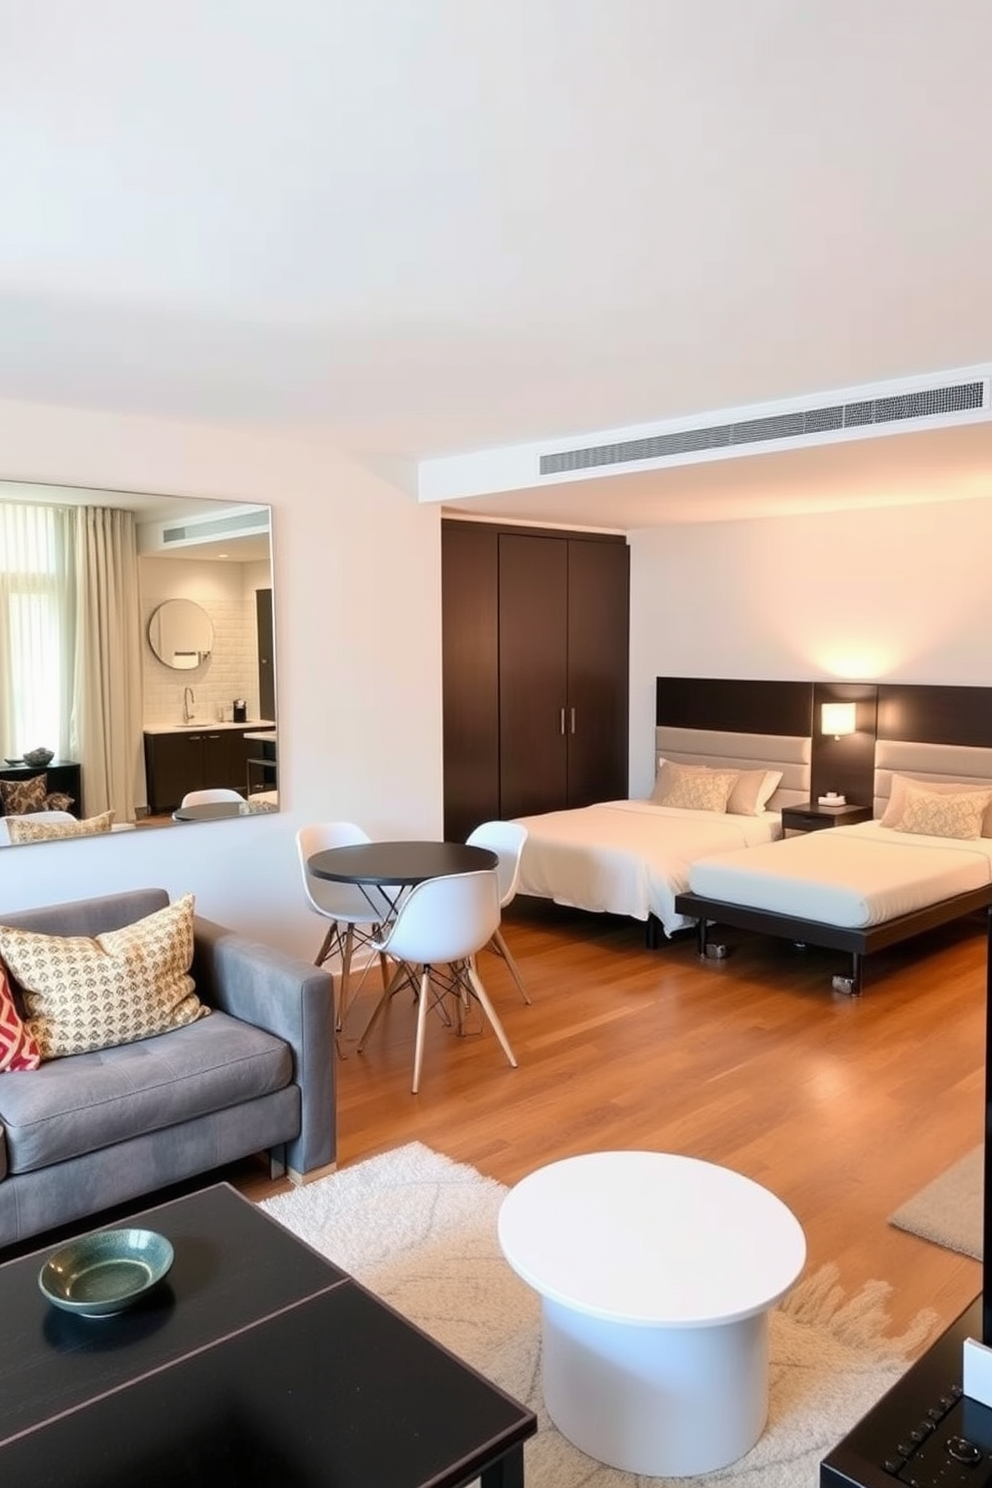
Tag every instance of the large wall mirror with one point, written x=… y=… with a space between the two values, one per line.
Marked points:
x=136 y=642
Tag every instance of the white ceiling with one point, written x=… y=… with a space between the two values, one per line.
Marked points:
x=427 y=227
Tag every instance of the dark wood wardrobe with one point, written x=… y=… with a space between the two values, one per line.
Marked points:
x=535 y=647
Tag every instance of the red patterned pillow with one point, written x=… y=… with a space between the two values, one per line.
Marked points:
x=18 y=1048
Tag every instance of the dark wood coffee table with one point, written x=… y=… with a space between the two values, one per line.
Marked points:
x=256 y=1361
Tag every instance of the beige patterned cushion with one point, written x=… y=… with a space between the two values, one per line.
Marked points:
x=936 y=814
x=750 y=794
x=23 y=829
x=694 y=788
x=893 y=813
x=81 y=993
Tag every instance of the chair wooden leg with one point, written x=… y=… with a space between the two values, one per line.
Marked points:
x=418 y=1055
x=489 y=1011
x=397 y=980
x=349 y=945
x=502 y=949
x=326 y=945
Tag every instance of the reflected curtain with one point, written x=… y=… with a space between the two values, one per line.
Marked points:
x=37 y=630
x=107 y=671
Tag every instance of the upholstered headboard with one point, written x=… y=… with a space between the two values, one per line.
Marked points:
x=738 y=724
x=942 y=763
x=724 y=750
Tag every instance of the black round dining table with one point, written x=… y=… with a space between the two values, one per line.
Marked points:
x=403 y=864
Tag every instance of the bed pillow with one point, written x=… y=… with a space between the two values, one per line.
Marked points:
x=692 y=788
x=942 y=814
x=893 y=813
x=751 y=792
x=18 y=1048
x=21 y=796
x=82 y=993
x=23 y=829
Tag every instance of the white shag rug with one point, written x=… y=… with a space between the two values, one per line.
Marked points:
x=420 y=1231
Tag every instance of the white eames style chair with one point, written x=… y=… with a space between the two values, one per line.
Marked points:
x=356 y=915
x=211 y=794
x=438 y=929
x=506 y=839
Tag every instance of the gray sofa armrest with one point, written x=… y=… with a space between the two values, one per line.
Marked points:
x=290 y=999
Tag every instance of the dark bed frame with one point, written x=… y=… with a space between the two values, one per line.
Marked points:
x=858 y=943
x=926 y=715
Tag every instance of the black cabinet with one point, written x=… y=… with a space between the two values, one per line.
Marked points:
x=535 y=627
x=181 y=760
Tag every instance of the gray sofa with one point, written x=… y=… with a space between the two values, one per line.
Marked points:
x=84 y=1133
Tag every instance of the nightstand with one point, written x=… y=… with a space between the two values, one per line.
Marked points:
x=812 y=817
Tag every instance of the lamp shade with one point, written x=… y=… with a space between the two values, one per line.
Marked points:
x=838 y=719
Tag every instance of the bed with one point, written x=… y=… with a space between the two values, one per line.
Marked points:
x=632 y=857
x=864 y=887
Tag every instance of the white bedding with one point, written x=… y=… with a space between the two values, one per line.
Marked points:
x=628 y=857
x=847 y=876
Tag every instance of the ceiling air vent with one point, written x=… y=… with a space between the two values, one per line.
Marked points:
x=940 y=403
x=240 y=523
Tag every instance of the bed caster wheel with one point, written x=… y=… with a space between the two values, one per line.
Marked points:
x=717 y=951
x=844 y=984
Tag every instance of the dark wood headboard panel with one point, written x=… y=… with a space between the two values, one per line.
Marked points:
x=935 y=715
x=735 y=705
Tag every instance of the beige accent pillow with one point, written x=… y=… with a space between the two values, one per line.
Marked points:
x=693 y=787
x=749 y=796
x=22 y=829
x=82 y=993
x=893 y=813
x=939 y=814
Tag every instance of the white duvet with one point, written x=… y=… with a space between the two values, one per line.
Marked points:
x=847 y=876
x=628 y=857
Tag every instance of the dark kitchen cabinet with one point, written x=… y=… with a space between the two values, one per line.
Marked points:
x=181 y=760
x=535 y=666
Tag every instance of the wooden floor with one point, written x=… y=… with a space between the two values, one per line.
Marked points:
x=843 y=1107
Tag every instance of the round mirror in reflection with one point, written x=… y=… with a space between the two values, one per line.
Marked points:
x=181 y=634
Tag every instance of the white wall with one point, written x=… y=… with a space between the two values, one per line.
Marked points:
x=358 y=656
x=900 y=594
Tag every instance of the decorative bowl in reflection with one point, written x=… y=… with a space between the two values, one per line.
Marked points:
x=38 y=756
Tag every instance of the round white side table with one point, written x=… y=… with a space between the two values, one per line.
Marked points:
x=656 y=1274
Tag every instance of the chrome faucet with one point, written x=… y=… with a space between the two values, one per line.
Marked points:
x=188 y=701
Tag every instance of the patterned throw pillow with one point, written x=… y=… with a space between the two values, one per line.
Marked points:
x=58 y=801
x=21 y=796
x=750 y=795
x=933 y=814
x=25 y=830
x=693 y=789
x=18 y=1049
x=81 y=993
x=899 y=785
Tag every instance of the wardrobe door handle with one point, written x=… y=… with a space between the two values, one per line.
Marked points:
x=573 y=721
x=561 y=722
